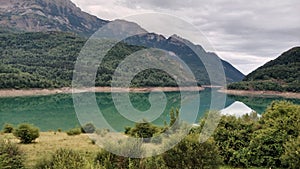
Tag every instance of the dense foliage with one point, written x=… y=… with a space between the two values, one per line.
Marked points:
x=143 y=130
x=190 y=153
x=11 y=156
x=8 y=128
x=27 y=133
x=64 y=159
x=281 y=74
x=46 y=60
x=74 y=131
x=270 y=141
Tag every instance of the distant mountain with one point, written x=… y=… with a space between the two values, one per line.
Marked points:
x=281 y=74
x=186 y=51
x=47 y=15
x=53 y=18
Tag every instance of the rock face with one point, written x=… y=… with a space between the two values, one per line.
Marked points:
x=47 y=15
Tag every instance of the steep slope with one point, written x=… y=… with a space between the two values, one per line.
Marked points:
x=185 y=50
x=281 y=74
x=46 y=60
x=47 y=15
x=45 y=19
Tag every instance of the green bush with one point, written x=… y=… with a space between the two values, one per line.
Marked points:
x=88 y=128
x=74 y=131
x=127 y=148
x=233 y=136
x=280 y=123
x=27 y=133
x=63 y=159
x=8 y=128
x=153 y=162
x=190 y=153
x=291 y=157
x=143 y=130
x=11 y=157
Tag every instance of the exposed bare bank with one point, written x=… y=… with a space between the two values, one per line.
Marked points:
x=38 y=92
x=261 y=93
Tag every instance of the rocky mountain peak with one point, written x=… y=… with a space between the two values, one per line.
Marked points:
x=47 y=15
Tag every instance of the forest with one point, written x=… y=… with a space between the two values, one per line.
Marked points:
x=281 y=74
x=47 y=59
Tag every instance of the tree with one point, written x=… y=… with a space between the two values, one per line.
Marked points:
x=280 y=123
x=233 y=136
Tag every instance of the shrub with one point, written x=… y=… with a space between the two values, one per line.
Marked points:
x=291 y=157
x=102 y=132
x=127 y=148
x=190 y=153
x=74 y=131
x=233 y=136
x=156 y=139
x=10 y=156
x=280 y=123
x=8 y=128
x=26 y=133
x=143 y=130
x=63 y=159
x=88 y=128
x=153 y=162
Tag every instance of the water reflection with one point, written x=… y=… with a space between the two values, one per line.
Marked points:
x=57 y=111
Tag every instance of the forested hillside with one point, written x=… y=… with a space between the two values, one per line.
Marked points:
x=46 y=60
x=281 y=74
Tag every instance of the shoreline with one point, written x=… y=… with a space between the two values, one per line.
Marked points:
x=69 y=90
x=289 y=95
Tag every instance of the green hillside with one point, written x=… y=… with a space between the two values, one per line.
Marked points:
x=281 y=74
x=46 y=60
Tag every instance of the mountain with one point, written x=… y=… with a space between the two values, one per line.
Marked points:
x=281 y=74
x=47 y=15
x=186 y=52
x=30 y=27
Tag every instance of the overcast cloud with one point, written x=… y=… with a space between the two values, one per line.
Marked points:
x=245 y=33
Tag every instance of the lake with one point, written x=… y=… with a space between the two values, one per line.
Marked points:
x=54 y=112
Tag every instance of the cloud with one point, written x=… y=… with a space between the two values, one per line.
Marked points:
x=256 y=31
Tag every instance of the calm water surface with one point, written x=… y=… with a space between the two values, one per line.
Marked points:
x=57 y=111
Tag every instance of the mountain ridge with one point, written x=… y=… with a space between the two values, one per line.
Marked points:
x=65 y=16
x=47 y=15
x=280 y=74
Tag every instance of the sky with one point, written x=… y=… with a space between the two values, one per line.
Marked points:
x=245 y=33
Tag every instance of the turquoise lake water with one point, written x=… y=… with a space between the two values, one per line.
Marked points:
x=57 y=111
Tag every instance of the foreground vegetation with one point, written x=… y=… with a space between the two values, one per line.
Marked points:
x=281 y=74
x=272 y=141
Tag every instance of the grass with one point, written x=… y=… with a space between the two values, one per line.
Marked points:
x=49 y=142
x=229 y=167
